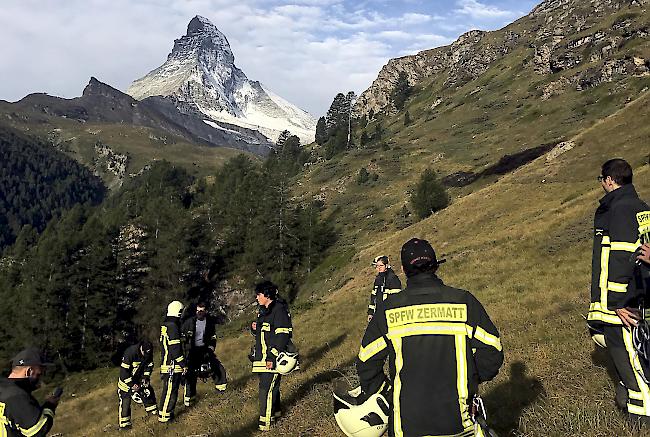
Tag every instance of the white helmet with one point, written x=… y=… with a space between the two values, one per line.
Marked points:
x=137 y=397
x=287 y=362
x=175 y=309
x=366 y=419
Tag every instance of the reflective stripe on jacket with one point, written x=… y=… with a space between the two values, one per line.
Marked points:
x=386 y=283
x=272 y=336
x=130 y=368
x=440 y=344
x=171 y=350
x=621 y=224
x=20 y=413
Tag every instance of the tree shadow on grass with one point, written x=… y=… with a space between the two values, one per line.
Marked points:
x=307 y=386
x=506 y=402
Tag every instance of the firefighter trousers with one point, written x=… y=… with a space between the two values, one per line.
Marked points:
x=170 y=385
x=269 y=399
x=198 y=356
x=621 y=349
x=124 y=409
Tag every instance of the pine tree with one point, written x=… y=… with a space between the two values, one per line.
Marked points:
x=401 y=91
x=321 y=131
x=429 y=195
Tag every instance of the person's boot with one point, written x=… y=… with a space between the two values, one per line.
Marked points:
x=620 y=398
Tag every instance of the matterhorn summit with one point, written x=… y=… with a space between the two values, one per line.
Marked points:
x=201 y=78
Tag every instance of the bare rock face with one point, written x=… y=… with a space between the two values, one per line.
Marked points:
x=575 y=62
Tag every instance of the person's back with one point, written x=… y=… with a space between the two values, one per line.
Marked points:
x=441 y=344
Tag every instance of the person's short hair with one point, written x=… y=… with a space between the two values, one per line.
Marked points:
x=268 y=289
x=202 y=304
x=382 y=258
x=619 y=170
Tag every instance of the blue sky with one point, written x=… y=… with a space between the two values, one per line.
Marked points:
x=304 y=50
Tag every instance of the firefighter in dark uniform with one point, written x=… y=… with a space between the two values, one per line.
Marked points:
x=440 y=343
x=20 y=413
x=172 y=364
x=621 y=225
x=273 y=331
x=135 y=377
x=386 y=283
x=200 y=336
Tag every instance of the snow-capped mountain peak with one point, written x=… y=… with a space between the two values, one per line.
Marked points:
x=200 y=74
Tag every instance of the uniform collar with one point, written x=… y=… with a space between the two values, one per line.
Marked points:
x=424 y=280
x=619 y=193
x=22 y=383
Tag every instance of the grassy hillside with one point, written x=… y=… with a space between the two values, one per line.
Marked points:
x=521 y=244
x=141 y=145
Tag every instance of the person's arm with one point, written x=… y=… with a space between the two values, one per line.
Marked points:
x=485 y=342
x=623 y=234
x=372 y=306
x=30 y=418
x=212 y=341
x=126 y=378
x=644 y=253
x=282 y=330
x=175 y=347
x=372 y=354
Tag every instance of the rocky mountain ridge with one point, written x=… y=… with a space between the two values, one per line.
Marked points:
x=564 y=40
x=201 y=78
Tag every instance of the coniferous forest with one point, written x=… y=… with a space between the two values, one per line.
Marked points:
x=98 y=276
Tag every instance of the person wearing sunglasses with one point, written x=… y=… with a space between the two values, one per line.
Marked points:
x=621 y=223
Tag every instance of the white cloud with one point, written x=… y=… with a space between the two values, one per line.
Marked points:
x=476 y=9
x=304 y=50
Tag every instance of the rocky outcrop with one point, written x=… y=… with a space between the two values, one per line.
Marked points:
x=557 y=35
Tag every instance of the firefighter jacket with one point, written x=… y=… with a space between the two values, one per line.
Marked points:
x=20 y=413
x=209 y=335
x=272 y=336
x=440 y=344
x=621 y=225
x=134 y=368
x=171 y=349
x=386 y=283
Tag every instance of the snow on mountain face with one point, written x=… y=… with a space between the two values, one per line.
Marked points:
x=200 y=73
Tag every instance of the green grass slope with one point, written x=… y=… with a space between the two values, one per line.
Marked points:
x=521 y=244
x=141 y=145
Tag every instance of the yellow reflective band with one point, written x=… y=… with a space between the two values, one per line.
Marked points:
x=392 y=290
x=428 y=329
x=266 y=326
x=372 y=307
x=485 y=337
x=461 y=377
x=644 y=390
x=36 y=428
x=127 y=380
x=397 y=387
x=604 y=271
x=122 y=386
x=283 y=330
x=221 y=387
x=275 y=352
x=643 y=218
x=637 y=395
x=624 y=246
x=269 y=400
x=617 y=287
x=150 y=408
x=48 y=412
x=426 y=313
x=174 y=342
x=365 y=353
x=126 y=366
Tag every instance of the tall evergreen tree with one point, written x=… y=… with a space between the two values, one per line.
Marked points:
x=321 y=131
x=429 y=195
x=401 y=91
